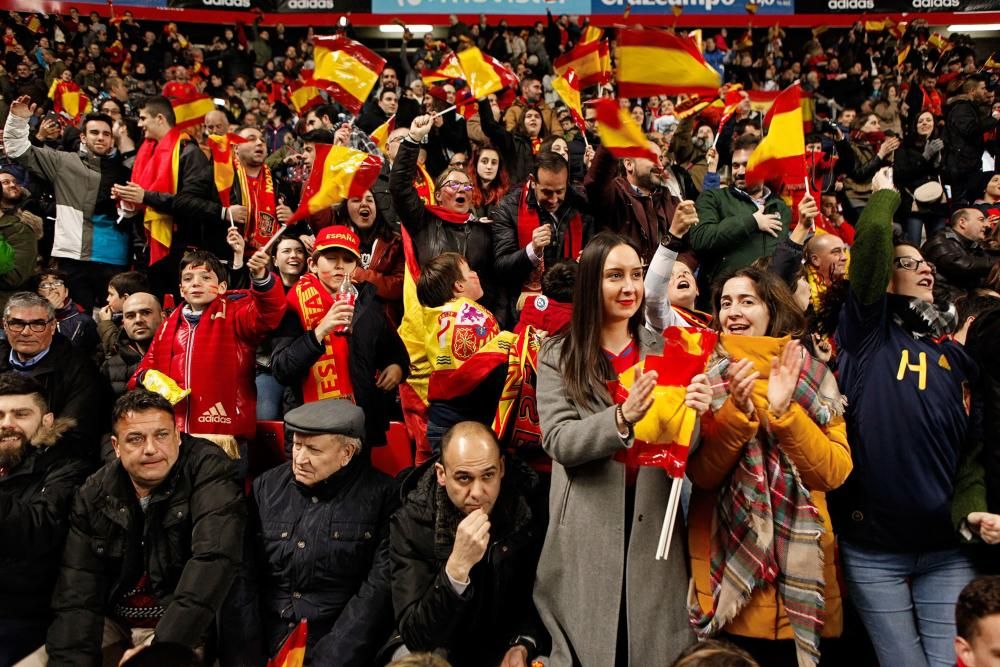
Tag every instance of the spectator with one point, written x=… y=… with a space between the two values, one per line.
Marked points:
x=519 y=145
x=489 y=178
x=255 y=204
x=959 y=260
x=141 y=320
x=109 y=318
x=338 y=581
x=447 y=592
x=72 y=322
x=670 y=287
x=530 y=98
x=976 y=619
x=967 y=118
x=166 y=561
x=39 y=475
x=870 y=150
x=90 y=245
x=917 y=171
x=19 y=233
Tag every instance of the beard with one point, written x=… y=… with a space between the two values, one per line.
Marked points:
x=12 y=455
x=702 y=143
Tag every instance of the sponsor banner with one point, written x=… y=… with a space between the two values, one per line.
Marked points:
x=338 y=6
x=895 y=6
x=717 y=7
x=142 y=3
x=216 y=4
x=524 y=7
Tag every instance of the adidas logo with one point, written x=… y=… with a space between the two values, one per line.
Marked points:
x=215 y=415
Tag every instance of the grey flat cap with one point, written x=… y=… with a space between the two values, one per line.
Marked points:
x=331 y=415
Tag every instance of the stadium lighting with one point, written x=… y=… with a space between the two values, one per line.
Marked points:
x=395 y=29
x=974 y=27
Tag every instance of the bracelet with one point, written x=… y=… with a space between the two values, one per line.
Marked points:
x=621 y=415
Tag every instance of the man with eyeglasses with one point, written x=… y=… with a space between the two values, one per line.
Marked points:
x=19 y=232
x=957 y=252
x=907 y=385
x=75 y=325
x=73 y=385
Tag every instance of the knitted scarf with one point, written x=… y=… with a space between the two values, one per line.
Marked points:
x=922 y=318
x=330 y=376
x=766 y=530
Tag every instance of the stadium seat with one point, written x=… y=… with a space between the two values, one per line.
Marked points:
x=268 y=449
x=397 y=453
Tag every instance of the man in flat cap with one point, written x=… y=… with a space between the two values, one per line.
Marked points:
x=322 y=538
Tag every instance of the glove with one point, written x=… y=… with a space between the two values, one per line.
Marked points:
x=164 y=385
x=932 y=148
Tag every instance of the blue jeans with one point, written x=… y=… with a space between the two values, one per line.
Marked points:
x=907 y=601
x=269 y=397
x=917 y=222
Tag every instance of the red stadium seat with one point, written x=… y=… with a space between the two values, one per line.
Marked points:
x=397 y=453
x=268 y=448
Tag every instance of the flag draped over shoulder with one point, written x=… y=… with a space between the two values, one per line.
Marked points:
x=348 y=69
x=68 y=99
x=337 y=174
x=567 y=86
x=157 y=169
x=293 y=651
x=590 y=60
x=780 y=156
x=619 y=132
x=224 y=164
x=651 y=62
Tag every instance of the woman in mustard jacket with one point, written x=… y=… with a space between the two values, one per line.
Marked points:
x=760 y=538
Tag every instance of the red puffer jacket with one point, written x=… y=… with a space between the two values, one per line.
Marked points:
x=215 y=359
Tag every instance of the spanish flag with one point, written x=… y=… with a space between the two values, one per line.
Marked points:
x=484 y=74
x=293 y=651
x=567 y=86
x=591 y=61
x=348 y=69
x=874 y=26
x=897 y=30
x=305 y=96
x=68 y=99
x=191 y=111
x=992 y=64
x=338 y=173
x=591 y=34
x=691 y=106
x=780 y=156
x=902 y=56
x=157 y=168
x=939 y=42
x=380 y=135
x=448 y=70
x=224 y=162
x=619 y=132
x=659 y=63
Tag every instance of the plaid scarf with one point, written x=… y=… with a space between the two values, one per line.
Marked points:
x=766 y=530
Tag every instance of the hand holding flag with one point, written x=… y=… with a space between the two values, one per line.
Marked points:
x=337 y=174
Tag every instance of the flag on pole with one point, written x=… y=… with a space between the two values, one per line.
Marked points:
x=484 y=74
x=191 y=111
x=734 y=97
x=751 y=8
x=380 y=135
x=676 y=10
x=619 y=132
x=293 y=651
x=591 y=61
x=68 y=99
x=348 y=69
x=992 y=64
x=223 y=162
x=659 y=63
x=939 y=42
x=337 y=174
x=305 y=96
x=695 y=36
x=902 y=56
x=874 y=26
x=690 y=106
x=591 y=34
x=567 y=86
x=780 y=156
x=448 y=70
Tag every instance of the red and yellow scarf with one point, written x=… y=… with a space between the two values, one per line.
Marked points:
x=261 y=204
x=330 y=376
x=157 y=168
x=424 y=185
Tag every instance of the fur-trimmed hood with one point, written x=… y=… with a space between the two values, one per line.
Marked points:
x=46 y=436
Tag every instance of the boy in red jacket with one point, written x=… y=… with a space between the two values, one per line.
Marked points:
x=208 y=346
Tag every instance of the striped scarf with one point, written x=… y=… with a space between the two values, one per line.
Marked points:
x=766 y=530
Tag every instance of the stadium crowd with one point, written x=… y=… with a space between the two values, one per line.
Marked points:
x=520 y=301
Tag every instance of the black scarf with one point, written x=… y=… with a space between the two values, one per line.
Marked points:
x=921 y=318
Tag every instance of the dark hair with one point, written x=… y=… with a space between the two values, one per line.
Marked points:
x=743 y=123
x=385 y=91
x=586 y=368
x=158 y=105
x=206 y=259
x=746 y=142
x=380 y=228
x=318 y=136
x=549 y=160
x=435 y=287
x=973 y=305
x=286 y=237
x=129 y=282
x=487 y=195
x=15 y=384
x=55 y=273
x=980 y=598
x=164 y=654
x=560 y=279
x=714 y=653
x=95 y=116
x=522 y=130
x=784 y=316
x=139 y=400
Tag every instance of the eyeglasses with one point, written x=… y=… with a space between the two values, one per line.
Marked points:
x=457 y=163
x=17 y=326
x=51 y=285
x=911 y=263
x=455 y=186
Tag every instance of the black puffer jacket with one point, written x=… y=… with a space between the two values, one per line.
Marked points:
x=34 y=510
x=119 y=368
x=374 y=344
x=324 y=556
x=74 y=388
x=189 y=540
x=965 y=123
x=477 y=627
x=960 y=264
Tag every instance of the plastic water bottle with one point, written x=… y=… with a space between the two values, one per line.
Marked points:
x=346 y=293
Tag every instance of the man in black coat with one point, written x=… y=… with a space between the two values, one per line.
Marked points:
x=141 y=319
x=961 y=264
x=464 y=550
x=967 y=118
x=38 y=477
x=72 y=384
x=323 y=539
x=155 y=539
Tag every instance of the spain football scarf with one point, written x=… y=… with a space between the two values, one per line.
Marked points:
x=157 y=169
x=261 y=204
x=330 y=376
x=528 y=221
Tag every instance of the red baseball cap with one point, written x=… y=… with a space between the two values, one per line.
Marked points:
x=338 y=236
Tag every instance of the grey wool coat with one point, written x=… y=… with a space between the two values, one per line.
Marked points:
x=580 y=576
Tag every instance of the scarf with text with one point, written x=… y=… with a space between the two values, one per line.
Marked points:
x=261 y=204
x=330 y=376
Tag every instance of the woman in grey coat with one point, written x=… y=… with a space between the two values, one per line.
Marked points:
x=603 y=597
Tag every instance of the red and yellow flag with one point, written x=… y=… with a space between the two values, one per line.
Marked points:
x=659 y=63
x=380 y=135
x=483 y=73
x=293 y=651
x=567 y=86
x=591 y=34
x=448 y=70
x=68 y=99
x=191 y=111
x=902 y=56
x=157 y=169
x=939 y=42
x=348 y=69
x=780 y=156
x=305 y=95
x=338 y=173
x=874 y=26
x=591 y=61
x=619 y=132
x=223 y=162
